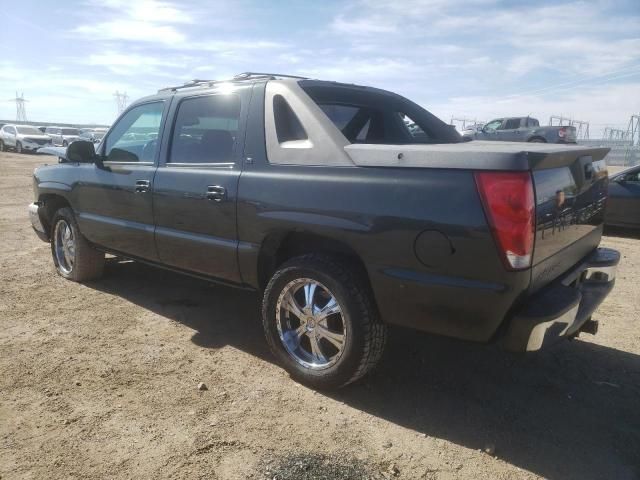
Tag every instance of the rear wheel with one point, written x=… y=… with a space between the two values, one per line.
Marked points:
x=74 y=258
x=18 y=147
x=321 y=322
x=537 y=140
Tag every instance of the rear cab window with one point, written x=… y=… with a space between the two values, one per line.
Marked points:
x=365 y=115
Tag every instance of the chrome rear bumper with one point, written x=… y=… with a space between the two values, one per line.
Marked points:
x=564 y=308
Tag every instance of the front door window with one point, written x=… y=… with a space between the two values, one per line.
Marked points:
x=135 y=137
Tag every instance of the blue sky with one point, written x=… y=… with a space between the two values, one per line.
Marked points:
x=473 y=58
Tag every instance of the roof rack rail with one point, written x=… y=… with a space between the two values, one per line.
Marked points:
x=251 y=75
x=236 y=78
x=191 y=83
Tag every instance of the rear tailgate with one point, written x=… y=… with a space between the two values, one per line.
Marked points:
x=571 y=192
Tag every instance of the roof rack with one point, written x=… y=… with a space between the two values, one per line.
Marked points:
x=192 y=83
x=253 y=75
x=236 y=78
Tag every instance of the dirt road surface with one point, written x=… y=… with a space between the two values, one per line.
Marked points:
x=100 y=381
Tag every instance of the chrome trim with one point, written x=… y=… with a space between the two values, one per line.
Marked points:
x=195 y=164
x=536 y=337
x=111 y=162
x=601 y=274
x=34 y=216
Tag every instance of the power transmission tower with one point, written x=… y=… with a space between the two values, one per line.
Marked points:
x=122 y=99
x=633 y=130
x=466 y=121
x=21 y=112
x=582 y=128
x=613 y=134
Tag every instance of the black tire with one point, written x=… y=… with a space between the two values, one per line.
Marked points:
x=365 y=334
x=537 y=140
x=18 y=147
x=87 y=263
x=2 y=147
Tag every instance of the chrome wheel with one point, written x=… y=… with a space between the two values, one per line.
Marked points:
x=310 y=323
x=64 y=246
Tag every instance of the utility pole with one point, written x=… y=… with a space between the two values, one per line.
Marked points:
x=122 y=100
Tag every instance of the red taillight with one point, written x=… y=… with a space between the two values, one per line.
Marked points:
x=562 y=132
x=509 y=204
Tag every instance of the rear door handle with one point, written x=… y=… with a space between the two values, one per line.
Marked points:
x=142 y=186
x=216 y=193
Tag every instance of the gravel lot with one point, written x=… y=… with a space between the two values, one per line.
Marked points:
x=100 y=381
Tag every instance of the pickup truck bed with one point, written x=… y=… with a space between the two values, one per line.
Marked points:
x=318 y=195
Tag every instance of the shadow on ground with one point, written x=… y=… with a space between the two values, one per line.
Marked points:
x=570 y=412
x=622 y=232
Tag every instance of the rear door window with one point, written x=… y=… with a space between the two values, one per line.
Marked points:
x=511 y=124
x=206 y=130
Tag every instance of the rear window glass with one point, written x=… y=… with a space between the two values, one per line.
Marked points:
x=377 y=117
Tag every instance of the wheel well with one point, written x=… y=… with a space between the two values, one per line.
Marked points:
x=278 y=248
x=51 y=203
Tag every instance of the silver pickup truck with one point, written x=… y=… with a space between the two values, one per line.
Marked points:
x=521 y=129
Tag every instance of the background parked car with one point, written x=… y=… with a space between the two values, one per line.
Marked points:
x=62 y=136
x=522 y=129
x=22 y=138
x=623 y=206
x=94 y=135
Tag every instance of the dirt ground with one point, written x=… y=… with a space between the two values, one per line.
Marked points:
x=100 y=381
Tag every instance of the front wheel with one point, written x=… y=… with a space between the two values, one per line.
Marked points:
x=74 y=258
x=321 y=322
x=18 y=147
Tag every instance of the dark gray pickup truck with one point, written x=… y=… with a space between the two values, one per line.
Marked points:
x=521 y=129
x=319 y=196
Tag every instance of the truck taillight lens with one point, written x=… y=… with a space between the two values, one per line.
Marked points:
x=562 y=132
x=508 y=202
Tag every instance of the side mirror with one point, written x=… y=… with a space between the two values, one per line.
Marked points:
x=81 y=151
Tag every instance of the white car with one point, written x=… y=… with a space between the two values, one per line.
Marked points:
x=22 y=138
x=63 y=136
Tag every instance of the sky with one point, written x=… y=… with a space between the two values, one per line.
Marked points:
x=473 y=58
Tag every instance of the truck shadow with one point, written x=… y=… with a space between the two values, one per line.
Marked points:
x=570 y=412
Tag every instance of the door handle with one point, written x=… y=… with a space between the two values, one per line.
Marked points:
x=216 y=193
x=142 y=186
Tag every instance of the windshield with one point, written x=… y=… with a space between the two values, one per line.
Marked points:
x=29 y=131
x=69 y=131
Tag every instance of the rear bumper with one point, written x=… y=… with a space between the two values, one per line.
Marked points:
x=562 y=308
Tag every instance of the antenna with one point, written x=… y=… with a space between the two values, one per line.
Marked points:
x=122 y=99
x=21 y=112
